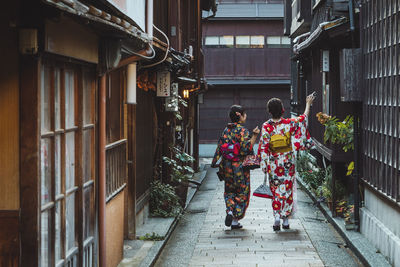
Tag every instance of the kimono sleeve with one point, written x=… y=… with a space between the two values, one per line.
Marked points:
x=263 y=146
x=301 y=138
x=246 y=148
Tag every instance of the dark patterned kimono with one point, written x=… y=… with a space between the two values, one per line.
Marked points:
x=237 y=180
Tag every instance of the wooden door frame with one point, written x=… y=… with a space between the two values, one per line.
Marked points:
x=29 y=160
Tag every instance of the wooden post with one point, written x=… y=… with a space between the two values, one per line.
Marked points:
x=131 y=181
x=102 y=172
x=30 y=161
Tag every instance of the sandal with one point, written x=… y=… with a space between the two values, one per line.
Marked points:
x=236 y=226
x=228 y=220
x=276 y=227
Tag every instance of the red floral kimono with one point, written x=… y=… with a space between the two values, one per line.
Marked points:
x=237 y=179
x=280 y=166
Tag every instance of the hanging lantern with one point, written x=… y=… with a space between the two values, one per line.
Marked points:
x=186 y=93
x=131 y=84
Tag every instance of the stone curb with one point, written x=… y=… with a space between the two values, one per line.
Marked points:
x=357 y=242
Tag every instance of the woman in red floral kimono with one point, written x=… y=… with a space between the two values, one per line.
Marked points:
x=234 y=145
x=280 y=140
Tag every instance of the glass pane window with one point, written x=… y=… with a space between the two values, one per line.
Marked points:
x=87 y=155
x=212 y=41
x=257 y=41
x=57 y=100
x=69 y=98
x=45 y=235
x=45 y=166
x=45 y=100
x=285 y=42
x=70 y=222
x=278 y=42
x=274 y=41
x=57 y=163
x=226 y=41
x=69 y=160
x=58 y=250
x=88 y=91
x=88 y=212
x=243 y=41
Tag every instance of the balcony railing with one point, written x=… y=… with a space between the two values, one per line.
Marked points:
x=115 y=168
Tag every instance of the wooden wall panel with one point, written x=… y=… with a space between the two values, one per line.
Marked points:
x=115 y=229
x=72 y=41
x=9 y=113
x=9 y=238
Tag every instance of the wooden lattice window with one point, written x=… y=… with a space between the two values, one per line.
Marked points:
x=67 y=214
x=381 y=108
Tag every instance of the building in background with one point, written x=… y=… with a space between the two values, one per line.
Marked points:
x=247 y=61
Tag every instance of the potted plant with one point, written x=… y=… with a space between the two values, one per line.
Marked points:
x=163 y=200
x=349 y=218
x=181 y=171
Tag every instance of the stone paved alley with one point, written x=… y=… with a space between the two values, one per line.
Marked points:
x=202 y=239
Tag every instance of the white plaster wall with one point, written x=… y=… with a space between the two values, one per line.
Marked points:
x=136 y=10
x=380 y=223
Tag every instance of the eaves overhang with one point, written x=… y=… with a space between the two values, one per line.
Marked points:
x=97 y=16
x=313 y=37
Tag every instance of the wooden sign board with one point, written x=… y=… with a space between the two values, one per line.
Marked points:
x=163 y=83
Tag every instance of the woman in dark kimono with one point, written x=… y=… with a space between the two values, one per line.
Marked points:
x=234 y=145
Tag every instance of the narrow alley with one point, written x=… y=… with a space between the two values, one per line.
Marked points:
x=202 y=239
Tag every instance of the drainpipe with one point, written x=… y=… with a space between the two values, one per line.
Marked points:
x=102 y=172
x=199 y=37
x=150 y=19
x=356 y=129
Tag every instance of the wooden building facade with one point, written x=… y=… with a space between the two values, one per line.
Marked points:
x=324 y=33
x=81 y=126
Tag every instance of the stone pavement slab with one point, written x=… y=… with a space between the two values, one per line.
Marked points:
x=256 y=244
x=202 y=239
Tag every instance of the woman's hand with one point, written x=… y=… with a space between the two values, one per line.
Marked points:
x=256 y=131
x=309 y=101
x=253 y=139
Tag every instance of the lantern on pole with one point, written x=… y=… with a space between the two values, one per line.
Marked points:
x=131 y=83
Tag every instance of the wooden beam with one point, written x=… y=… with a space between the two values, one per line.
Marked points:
x=30 y=160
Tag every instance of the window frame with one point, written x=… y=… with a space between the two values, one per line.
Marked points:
x=75 y=255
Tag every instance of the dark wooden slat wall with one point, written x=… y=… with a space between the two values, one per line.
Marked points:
x=217 y=101
x=255 y=62
x=381 y=108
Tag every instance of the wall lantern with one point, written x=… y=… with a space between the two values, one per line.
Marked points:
x=186 y=93
x=131 y=83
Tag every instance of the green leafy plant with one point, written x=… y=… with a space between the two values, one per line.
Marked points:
x=326 y=188
x=309 y=171
x=339 y=132
x=179 y=163
x=313 y=177
x=163 y=200
x=182 y=102
x=151 y=237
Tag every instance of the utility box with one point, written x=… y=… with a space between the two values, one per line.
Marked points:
x=351 y=75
